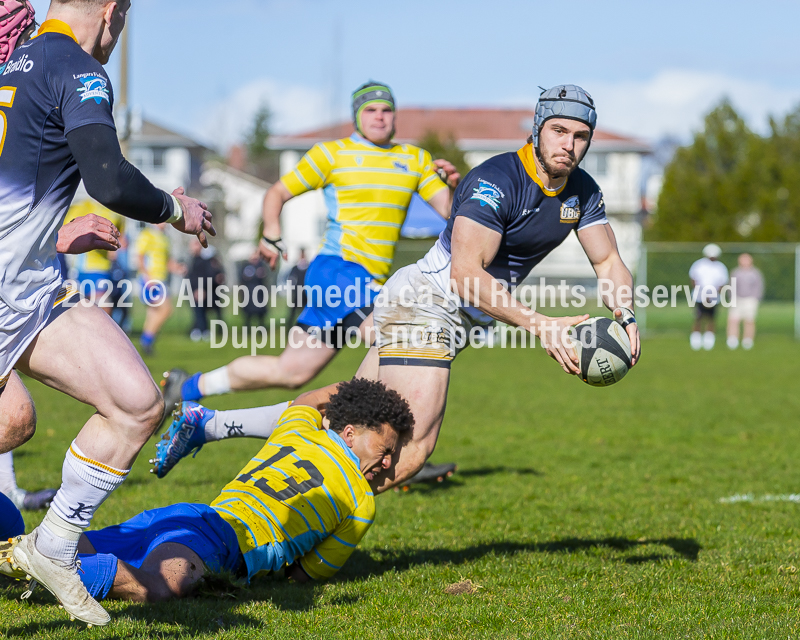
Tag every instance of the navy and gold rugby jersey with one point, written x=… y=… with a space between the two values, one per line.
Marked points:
x=303 y=497
x=505 y=194
x=50 y=87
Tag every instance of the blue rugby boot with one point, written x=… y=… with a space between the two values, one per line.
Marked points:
x=185 y=435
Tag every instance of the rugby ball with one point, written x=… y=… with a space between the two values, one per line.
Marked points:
x=604 y=351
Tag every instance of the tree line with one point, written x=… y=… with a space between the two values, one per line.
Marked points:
x=732 y=184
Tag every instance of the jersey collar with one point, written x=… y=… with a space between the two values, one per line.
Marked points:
x=359 y=139
x=56 y=26
x=526 y=157
x=340 y=441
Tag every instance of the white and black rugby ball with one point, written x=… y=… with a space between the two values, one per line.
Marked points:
x=604 y=351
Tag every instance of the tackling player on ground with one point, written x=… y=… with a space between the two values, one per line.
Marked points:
x=368 y=182
x=57 y=127
x=303 y=502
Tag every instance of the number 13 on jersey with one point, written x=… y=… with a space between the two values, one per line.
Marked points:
x=7 y=101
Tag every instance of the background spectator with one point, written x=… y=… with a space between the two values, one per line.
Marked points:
x=253 y=274
x=748 y=289
x=295 y=295
x=204 y=270
x=708 y=276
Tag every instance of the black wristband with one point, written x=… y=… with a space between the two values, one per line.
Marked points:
x=278 y=244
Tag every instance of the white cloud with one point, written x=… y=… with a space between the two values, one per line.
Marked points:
x=294 y=108
x=675 y=101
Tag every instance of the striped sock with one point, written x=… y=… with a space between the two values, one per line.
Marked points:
x=85 y=484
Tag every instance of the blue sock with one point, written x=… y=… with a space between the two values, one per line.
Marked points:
x=191 y=389
x=11 y=522
x=97 y=573
x=147 y=339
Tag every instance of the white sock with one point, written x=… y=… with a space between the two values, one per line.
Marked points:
x=696 y=340
x=747 y=343
x=215 y=382
x=733 y=342
x=8 y=480
x=58 y=537
x=245 y=423
x=708 y=340
x=85 y=485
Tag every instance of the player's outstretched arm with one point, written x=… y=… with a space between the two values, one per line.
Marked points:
x=473 y=249
x=88 y=233
x=117 y=184
x=614 y=279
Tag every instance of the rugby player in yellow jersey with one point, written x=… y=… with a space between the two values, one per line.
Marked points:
x=368 y=181
x=155 y=266
x=303 y=502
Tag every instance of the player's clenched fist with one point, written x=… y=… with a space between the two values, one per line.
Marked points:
x=196 y=220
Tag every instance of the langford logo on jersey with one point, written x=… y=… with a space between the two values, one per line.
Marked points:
x=94 y=88
x=570 y=209
x=488 y=193
x=23 y=64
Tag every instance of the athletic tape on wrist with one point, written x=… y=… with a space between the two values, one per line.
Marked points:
x=626 y=318
x=177 y=211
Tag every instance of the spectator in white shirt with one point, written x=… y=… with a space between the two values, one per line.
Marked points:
x=748 y=288
x=708 y=276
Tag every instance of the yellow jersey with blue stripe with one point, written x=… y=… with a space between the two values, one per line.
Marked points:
x=94 y=261
x=302 y=497
x=368 y=190
x=153 y=245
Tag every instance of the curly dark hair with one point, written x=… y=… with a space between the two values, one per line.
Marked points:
x=368 y=403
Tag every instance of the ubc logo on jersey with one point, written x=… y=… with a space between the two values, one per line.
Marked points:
x=571 y=210
x=488 y=193
x=94 y=88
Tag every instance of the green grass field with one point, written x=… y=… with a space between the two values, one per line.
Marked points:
x=580 y=512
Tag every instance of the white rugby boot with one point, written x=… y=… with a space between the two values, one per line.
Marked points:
x=63 y=582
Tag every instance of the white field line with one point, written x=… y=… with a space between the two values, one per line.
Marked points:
x=749 y=497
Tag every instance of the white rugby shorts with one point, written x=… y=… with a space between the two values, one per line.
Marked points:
x=418 y=324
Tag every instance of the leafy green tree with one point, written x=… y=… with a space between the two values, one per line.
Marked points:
x=711 y=187
x=445 y=148
x=779 y=181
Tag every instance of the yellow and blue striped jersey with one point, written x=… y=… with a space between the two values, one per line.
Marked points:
x=302 y=497
x=368 y=190
x=94 y=261
x=153 y=245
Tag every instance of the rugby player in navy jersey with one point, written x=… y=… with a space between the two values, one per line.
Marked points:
x=57 y=127
x=507 y=215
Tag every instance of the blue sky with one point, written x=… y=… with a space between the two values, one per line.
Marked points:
x=654 y=68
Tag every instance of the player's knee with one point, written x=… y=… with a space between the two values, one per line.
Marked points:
x=17 y=427
x=143 y=415
x=152 y=413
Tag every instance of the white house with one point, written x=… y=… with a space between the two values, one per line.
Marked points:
x=614 y=160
